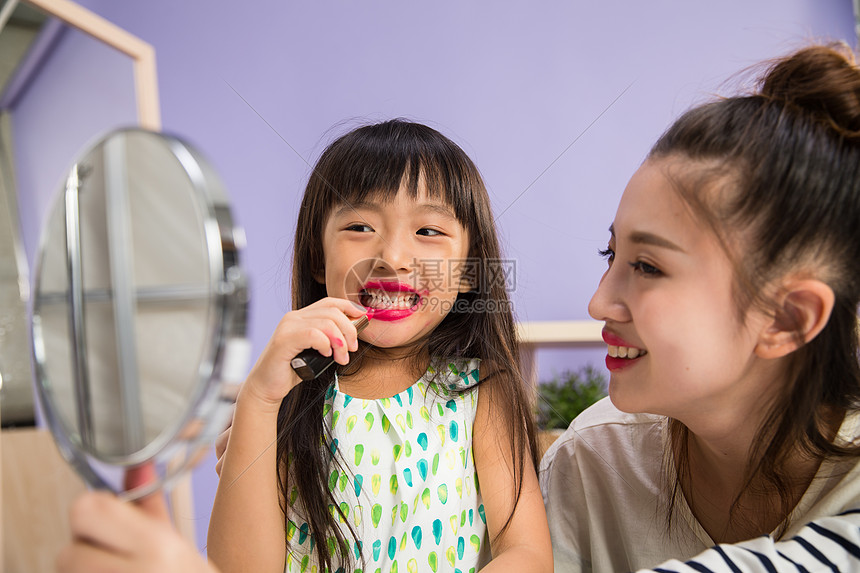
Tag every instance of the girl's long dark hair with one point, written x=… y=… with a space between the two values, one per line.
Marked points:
x=781 y=167
x=374 y=161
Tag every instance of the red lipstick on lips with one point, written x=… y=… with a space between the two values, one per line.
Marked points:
x=390 y=314
x=613 y=363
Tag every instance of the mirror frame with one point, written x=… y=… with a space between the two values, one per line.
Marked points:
x=179 y=443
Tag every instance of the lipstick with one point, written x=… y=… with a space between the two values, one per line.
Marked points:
x=309 y=363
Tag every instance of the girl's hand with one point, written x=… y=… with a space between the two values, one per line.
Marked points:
x=246 y=530
x=325 y=325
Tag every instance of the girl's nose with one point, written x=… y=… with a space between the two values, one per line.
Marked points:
x=608 y=303
x=395 y=254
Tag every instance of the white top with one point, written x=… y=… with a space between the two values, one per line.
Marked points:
x=408 y=486
x=603 y=486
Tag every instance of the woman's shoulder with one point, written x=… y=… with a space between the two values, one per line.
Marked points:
x=603 y=428
x=604 y=413
x=601 y=479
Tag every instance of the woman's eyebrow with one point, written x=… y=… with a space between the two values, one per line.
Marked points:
x=644 y=238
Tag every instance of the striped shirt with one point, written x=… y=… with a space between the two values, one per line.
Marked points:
x=827 y=544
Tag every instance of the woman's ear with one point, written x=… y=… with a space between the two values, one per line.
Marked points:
x=803 y=309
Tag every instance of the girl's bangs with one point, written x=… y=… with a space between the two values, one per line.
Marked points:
x=368 y=174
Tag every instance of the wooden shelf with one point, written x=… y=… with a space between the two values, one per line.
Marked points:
x=561 y=332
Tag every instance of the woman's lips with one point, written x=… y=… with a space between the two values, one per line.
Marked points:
x=620 y=354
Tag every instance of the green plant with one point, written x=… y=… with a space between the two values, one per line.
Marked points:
x=563 y=398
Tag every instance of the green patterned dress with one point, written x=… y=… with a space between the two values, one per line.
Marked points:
x=409 y=489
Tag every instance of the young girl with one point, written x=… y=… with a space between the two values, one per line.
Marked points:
x=730 y=305
x=376 y=464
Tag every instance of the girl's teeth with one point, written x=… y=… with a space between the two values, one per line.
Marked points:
x=384 y=300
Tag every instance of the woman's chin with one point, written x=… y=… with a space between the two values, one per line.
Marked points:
x=623 y=401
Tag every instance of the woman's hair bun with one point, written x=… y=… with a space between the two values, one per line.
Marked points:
x=822 y=80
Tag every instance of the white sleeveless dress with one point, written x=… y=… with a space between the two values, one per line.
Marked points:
x=408 y=486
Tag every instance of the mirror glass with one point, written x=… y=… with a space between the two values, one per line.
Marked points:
x=139 y=308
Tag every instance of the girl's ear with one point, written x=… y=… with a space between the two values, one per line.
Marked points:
x=319 y=276
x=803 y=310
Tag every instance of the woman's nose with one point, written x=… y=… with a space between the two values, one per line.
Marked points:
x=607 y=302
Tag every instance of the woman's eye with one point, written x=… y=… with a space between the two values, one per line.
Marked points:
x=360 y=228
x=607 y=254
x=645 y=268
x=427 y=232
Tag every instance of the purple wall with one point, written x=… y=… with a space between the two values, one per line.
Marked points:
x=556 y=103
x=83 y=89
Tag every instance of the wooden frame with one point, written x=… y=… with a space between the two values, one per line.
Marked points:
x=567 y=332
x=141 y=53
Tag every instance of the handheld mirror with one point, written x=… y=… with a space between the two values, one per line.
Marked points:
x=139 y=310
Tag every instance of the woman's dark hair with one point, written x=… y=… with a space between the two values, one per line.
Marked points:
x=778 y=171
x=375 y=161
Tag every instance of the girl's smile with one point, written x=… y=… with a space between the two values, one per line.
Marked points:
x=390 y=300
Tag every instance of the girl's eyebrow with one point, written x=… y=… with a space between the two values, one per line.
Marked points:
x=438 y=208
x=353 y=207
x=643 y=238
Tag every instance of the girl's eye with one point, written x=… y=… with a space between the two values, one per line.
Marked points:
x=645 y=269
x=360 y=228
x=607 y=254
x=427 y=232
